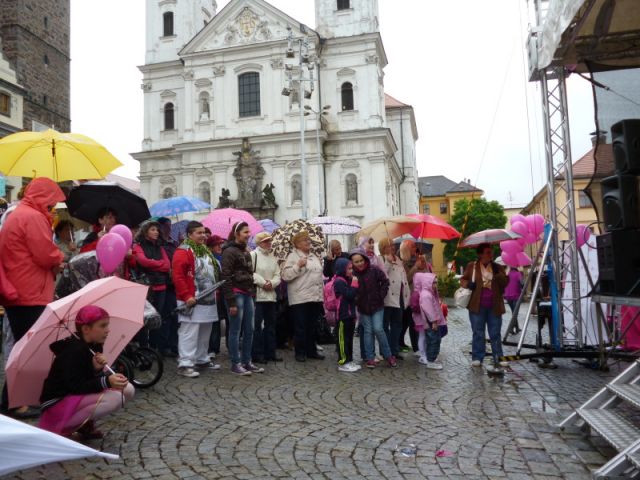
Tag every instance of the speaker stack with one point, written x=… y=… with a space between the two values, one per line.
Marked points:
x=619 y=247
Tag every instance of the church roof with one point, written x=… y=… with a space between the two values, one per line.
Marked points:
x=391 y=102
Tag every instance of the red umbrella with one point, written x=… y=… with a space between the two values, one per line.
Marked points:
x=433 y=227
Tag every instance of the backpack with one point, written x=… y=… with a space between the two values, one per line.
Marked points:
x=331 y=301
x=414 y=301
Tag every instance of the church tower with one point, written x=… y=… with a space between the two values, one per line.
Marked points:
x=345 y=18
x=171 y=24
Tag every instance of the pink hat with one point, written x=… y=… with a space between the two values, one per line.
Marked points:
x=90 y=314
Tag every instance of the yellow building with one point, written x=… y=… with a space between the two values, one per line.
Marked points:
x=438 y=196
x=583 y=170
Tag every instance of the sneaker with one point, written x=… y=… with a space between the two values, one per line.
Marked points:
x=347 y=367
x=250 y=367
x=371 y=364
x=238 y=369
x=211 y=355
x=494 y=369
x=377 y=360
x=476 y=363
x=393 y=363
x=319 y=348
x=434 y=365
x=207 y=366
x=188 y=372
x=417 y=354
x=504 y=364
x=355 y=366
x=405 y=349
x=423 y=360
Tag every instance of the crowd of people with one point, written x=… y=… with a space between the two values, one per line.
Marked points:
x=203 y=281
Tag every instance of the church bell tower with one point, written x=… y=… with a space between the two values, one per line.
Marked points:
x=345 y=18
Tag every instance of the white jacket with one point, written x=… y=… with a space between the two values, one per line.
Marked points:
x=397 y=278
x=303 y=284
x=265 y=268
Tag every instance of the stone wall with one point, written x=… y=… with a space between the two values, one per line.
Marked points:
x=35 y=40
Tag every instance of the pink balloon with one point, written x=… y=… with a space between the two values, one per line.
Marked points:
x=522 y=259
x=510 y=259
x=510 y=246
x=520 y=228
x=538 y=224
x=522 y=242
x=110 y=251
x=582 y=235
x=531 y=238
x=517 y=218
x=124 y=232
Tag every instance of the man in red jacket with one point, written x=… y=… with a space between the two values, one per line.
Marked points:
x=30 y=260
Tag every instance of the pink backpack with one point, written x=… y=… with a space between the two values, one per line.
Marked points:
x=331 y=301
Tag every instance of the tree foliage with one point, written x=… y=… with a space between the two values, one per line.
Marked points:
x=482 y=214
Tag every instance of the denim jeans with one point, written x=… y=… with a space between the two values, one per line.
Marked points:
x=264 y=336
x=432 y=343
x=485 y=319
x=243 y=320
x=373 y=325
x=393 y=328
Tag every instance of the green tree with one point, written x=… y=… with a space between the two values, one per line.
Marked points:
x=479 y=214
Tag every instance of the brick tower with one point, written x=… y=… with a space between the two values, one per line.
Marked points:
x=35 y=41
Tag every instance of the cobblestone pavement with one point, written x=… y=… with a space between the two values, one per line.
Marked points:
x=310 y=421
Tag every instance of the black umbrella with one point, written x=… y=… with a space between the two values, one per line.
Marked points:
x=423 y=246
x=86 y=200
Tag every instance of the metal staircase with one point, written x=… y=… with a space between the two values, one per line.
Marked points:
x=598 y=414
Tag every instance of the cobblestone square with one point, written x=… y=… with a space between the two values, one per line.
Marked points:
x=307 y=420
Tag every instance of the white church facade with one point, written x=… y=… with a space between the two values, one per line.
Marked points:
x=213 y=84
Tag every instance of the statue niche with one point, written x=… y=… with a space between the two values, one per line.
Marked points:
x=249 y=174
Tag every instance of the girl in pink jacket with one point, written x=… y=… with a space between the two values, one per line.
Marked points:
x=429 y=320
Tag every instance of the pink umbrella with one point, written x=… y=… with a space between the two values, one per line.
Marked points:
x=220 y=221
x=31 y=358
x=433 y=227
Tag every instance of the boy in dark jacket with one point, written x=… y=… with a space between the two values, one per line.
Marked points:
x=77 y=391
x=346 y=290
x=373 y=286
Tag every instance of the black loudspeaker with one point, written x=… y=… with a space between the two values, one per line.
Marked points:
x=620 y=202
x=625 y=137
x=619 y=262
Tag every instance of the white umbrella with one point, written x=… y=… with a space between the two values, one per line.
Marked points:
x=23 y=446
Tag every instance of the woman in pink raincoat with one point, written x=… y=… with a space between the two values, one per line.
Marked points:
x=429 y=320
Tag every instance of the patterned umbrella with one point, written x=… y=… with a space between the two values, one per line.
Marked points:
x=268 y=225
x=176 y=205
x=488 y=236
x=220 y=221
x=336 y=225
x=282 y=245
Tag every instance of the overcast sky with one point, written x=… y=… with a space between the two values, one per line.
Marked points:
x=460 y=63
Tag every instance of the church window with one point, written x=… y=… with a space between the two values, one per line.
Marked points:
x=205 y=108
x=351 y=183
x=344 y=4
x=205 y=192
x=5 y=104
x=347 y=96
x=168 y=193
x=169 y=117
x=167 y=24
x=249 y=94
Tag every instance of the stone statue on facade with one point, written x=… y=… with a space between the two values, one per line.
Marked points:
x=268 y=198
x=249 y=174
x=224 y=201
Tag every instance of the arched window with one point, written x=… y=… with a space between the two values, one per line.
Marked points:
x=203 y=101
x=169 y=117
x=343 y=4
x=296 y=189
x=168 y=193
x=351 y=184
x=205 y=192
x=167 y=24
x=347 y=96
x=249 y=94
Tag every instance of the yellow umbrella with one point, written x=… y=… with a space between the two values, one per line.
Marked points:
x=58 y=156
x=389 y=227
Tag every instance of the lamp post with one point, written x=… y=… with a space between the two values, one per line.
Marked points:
x=321 y=206
x=304 y=61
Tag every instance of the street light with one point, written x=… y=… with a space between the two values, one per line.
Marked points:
x=304 y=60
x=324 y=111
